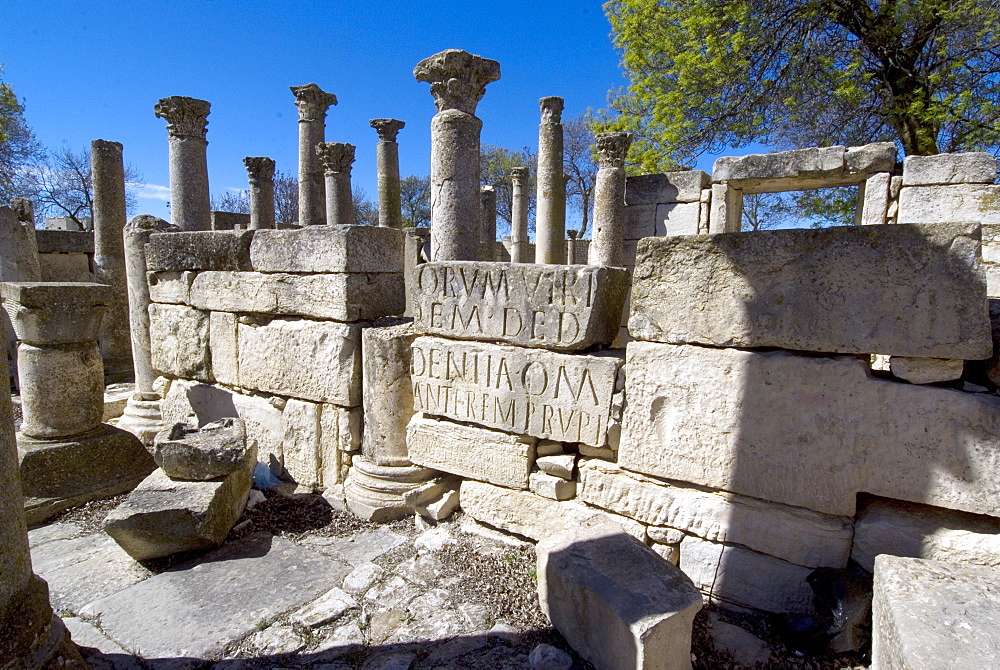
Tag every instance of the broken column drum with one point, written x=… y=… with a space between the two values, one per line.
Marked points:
x=458 y=82
x=337 y=158
x=519 y=217
x=387 y=161
x=488 y=208
x=312 y=103
x=607 y=246
x=260 y=173
x=187 y=125
x=550 y=219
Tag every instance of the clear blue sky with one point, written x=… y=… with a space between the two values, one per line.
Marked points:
x=89 y=70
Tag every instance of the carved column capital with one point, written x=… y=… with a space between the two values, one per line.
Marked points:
x=185 y=117
x=612 y=148
x=458 y=79
x=24 y=208
x=387 y=128
x=259 y=168
x=312 y=102
x=336 y=156
x=551 y=108
x=518 y=175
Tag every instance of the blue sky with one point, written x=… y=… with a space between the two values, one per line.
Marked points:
x=94 y=70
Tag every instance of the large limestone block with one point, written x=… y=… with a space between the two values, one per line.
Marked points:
x=548 y=395
x=806 y=431
x=387 y=392
x=170 y=287
x=311 y=360
x=469 y=451
x=783 y=170
x=655 y=189
x=926 y=370
x=677 y=219
x=199 y=250
x=303 y=457
x=64 y=241
x=920 y=531
x=531 y=515
x=64 y=267
x=164 y=516
x=972 y=167
x=956 y=202
x=223 y=347
x=933 y=615
x=616 y=602
x=991 y=243
x=328 y=249
x=199 y=454
x=179 y=338
x=640 y=221
x=900 y=290
x=551 y=306
x=796 y=535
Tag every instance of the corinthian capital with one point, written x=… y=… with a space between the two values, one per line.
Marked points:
x=336 y=156
x=259 y=168
x=312 y=102
x=458 y=79
x=612 y=147
x=185 y=117
x=387 y=128
x=518 y=175
x=552 y=107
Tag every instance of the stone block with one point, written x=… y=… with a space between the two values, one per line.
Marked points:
x=469 y=451
x=550 y=306
x=52 y=312
x=311 y=360
x=551 y=487
x=900 y=290
x=199 y=454
x=328 y=249
x=557 y=465
x=677 y=219
x=971 y=167
x=725 y=209
x=64 y=267
x=64 y=241
x=991 y=242
x=873 y=200
x=655 y=189
x=926 y=370
x=640 y=221
x=814 y=167
x=387 y=391
x=230 y=220
x=340 y=434
x=919 y=531
x=806 y=431
x=199 y=250
x=223 y=347
x=303 y=458
x=957 y=202
x=934 y=615
x=549 y=395
x=871 y=158
x=165 y=516
x=19 y=255
x=179 y=338
x=170 y=287
x=616 y=602
x=793 y=534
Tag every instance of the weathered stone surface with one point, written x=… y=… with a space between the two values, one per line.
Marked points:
x=796 y=535
x=934 y=615
x=164 y=516
x=524 y=391
x=98 y=649
x=925 y=370
x=328 y=607
x=319 y=361
x=871 y=158
x=616 y=602
x=654 y=189
x=301 y=448
x=64 y=267
x=50 y=313
x=766 y=424
x=332 y=249
x=551 y=306
x=551 y=487
x=920 y=531
x=469 y=451
x=179 y=337
x=199 y=250
x=815 y=167
x=957 y=202
x=19 y=259
x=170 y=287
x=530 y=515
x=557 y=465
x=340 y=433
x=229 y=220
x=223 y=347
x=387 y=392
x=61 y=389
x=899 y=290
x=64 y=241
x=677 y=219
x=872 y=207
x=961 y=168
x=201 y=453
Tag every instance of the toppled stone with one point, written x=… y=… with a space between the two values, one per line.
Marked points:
x=971 y=167
x=557 y=465
x=739 y=644
x=549 y=486
x=199 y=250
x=547 y=657
x=363 y=578
x=926 y=370
x=616 y=602
x=323 y=249
x=214 y=450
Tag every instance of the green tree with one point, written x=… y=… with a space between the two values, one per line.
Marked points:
x=17 y=142
x=495 y=164
x=415 y=198
x=580 y=167
x=706 y=74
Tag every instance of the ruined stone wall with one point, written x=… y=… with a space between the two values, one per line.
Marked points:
x=65 y=255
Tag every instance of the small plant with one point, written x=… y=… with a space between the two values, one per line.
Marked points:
x=406 y=617
x=64 y=613
x=263 y=625
x=533 y=573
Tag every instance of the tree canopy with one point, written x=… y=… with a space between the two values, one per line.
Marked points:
x=17 y=141
x=706 y=74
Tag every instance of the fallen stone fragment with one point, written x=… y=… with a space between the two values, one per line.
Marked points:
x=560 y=465
x=214 y=450
x=547 y=657
x=925 y=370
x=324 y=609
x=549 y=486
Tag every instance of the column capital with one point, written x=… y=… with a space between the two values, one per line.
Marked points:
x=336 y=156
x=551 y=108
x=518 y=175
x=259 y=168
x=185 y=117
x=46 y=313
x=458 y=79
x=612 y=148
x=24 y=208
x=387 y=128
x=312 y=102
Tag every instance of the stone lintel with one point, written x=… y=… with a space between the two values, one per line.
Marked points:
x=199 y=250
x=65 y=241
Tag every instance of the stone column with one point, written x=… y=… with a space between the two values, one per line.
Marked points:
x=519 y=217
x=312 y=102
x=458 y=82
x=337 y=159
x=550 y=202
x=187 y=125
x=387 y=157
x=607 y=246
x=108 y=170
x=142 y=415
x=260 y=172
x=67 y=456
x=488 y=226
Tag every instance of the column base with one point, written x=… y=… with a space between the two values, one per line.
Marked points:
x=32 y=637
x=375 y=492
x=142 y=417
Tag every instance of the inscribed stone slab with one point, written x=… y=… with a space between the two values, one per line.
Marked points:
x=328 y=249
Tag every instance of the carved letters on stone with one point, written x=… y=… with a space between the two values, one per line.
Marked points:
x=185 y=117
